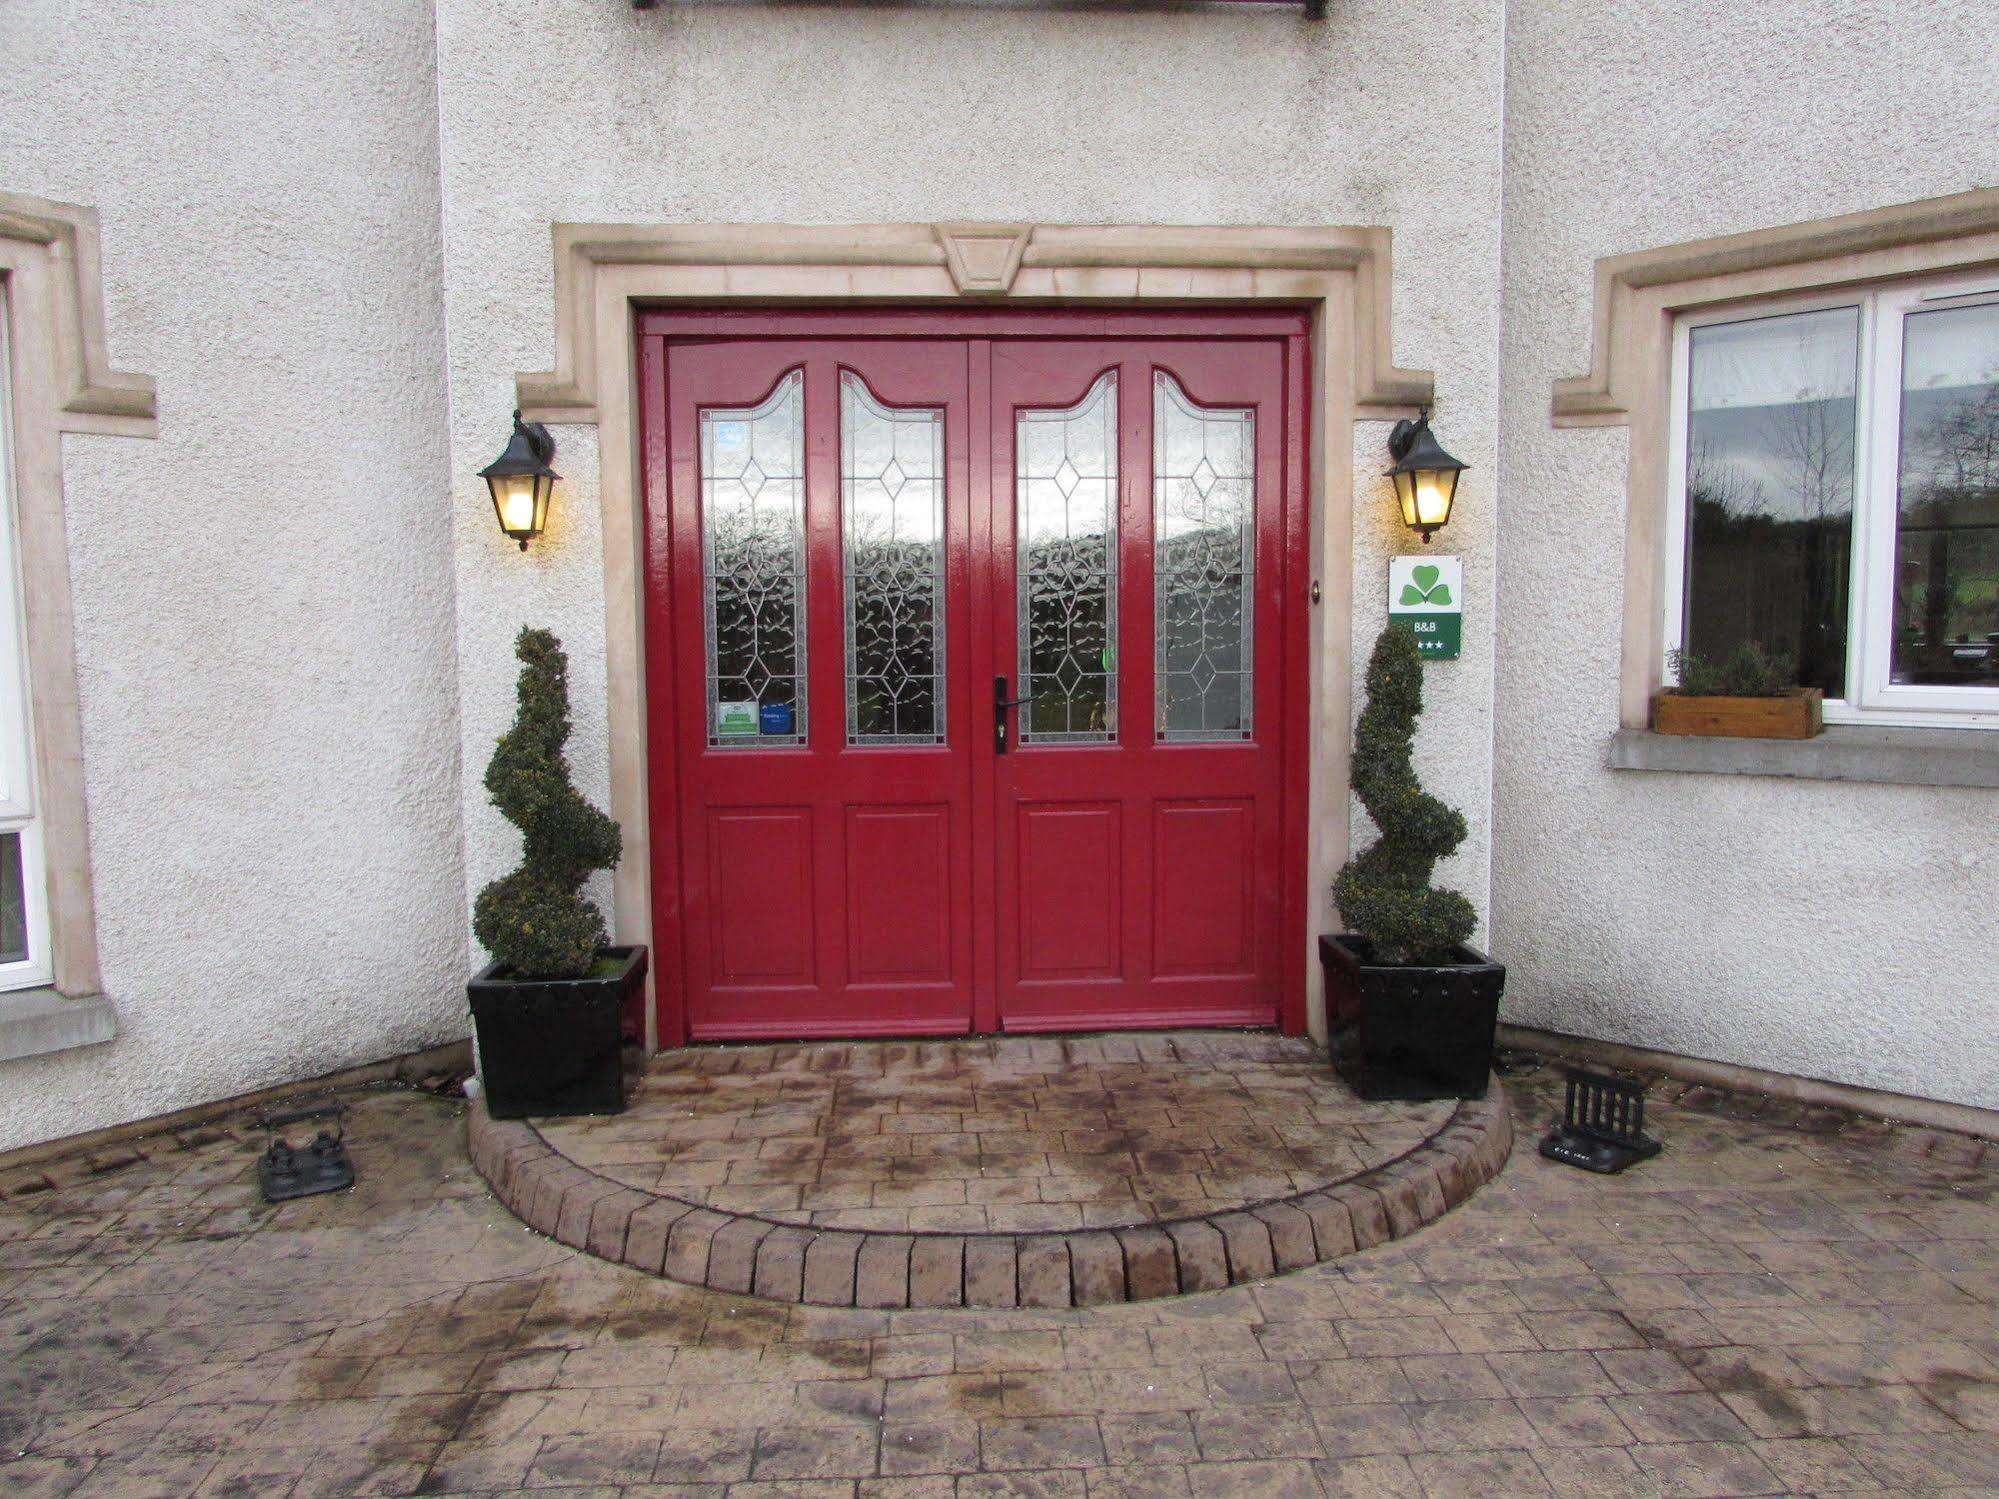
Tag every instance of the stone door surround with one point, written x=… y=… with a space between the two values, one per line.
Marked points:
x=602 y=272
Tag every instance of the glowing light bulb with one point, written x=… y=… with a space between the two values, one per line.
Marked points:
x=1433 y=506
x=518 y=508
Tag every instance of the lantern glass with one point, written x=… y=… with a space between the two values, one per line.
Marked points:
x=521 y=481
x=1424 y=475
x=1425 y=495
x=521 y=502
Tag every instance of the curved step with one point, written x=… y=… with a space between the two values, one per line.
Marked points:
x=742 y=1252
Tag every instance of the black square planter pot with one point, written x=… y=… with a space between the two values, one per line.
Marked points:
x=554 y=1046
x=1408 y=1031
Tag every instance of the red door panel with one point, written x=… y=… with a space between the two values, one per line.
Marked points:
x=1070 y=915
x=1206 y=926
x=854 y=526
x=900 y=896
x=1079 y=555
x=760 y=863
x=838 y=860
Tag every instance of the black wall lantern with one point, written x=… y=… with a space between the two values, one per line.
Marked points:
x=1426 y=477
x=522 y=481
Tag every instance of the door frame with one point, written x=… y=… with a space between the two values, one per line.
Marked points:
x=659 y=328
x=607 y=276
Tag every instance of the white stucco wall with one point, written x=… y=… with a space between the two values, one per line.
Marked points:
x=329 y=242
x=1831 y=930
x=751 y=113
x=262 y=595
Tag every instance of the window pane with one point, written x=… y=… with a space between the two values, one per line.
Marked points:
x=1066 y=497
x=753 y=565
x=1947 y=522
x=1203 y=564
x=892 y=541
x=1770 y=489
x=13 y=902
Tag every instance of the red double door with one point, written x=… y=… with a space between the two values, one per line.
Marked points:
x=975 y=669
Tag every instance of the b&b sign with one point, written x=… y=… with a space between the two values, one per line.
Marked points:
x=1425 y=596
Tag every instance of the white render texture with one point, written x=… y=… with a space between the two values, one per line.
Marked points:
x=692 y=113
x=1827 y=929
x=327 y=235
x=262 y=593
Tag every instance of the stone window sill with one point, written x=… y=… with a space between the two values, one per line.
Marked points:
x=1844 y=752
x=34 y=1022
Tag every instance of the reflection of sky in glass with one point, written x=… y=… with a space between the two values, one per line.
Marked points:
x=1204 y=551
x=892 y=535
x=1772 y=412
x=1952 y=346
x=753 y=559
x=1066 y=503
x=1950 y=413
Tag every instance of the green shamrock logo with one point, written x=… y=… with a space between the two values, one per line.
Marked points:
x=1426 y=589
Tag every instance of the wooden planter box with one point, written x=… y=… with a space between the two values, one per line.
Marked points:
x=1796 y=715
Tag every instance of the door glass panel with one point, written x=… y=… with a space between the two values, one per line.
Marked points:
x=1947 y=522
x=1769 y=478
x=892 y=556
x=753 y=568
x=1065 y=501
x=1203 y=565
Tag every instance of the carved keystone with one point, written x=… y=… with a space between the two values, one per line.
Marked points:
x=983 y=258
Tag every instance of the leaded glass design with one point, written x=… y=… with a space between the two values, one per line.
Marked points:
x=1203 y=565
x=753 y=568
x=892 y=560
x=1065 y=500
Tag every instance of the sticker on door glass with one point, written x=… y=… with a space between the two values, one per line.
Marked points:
x=736 y=718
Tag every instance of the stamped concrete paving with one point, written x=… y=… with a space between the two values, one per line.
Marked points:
x=1006 y=1136
x=1018 y=1171
x=1768 y=1308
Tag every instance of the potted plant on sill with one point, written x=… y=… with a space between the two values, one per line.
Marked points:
x=549 y=1009
x=1411 y=1008
x=1751 y=695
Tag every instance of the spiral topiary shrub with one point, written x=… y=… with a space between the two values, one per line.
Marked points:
x=537 y=920
x=1384 y=894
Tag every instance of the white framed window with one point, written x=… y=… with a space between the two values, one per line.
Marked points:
x=1833 y=495
x=24 y=922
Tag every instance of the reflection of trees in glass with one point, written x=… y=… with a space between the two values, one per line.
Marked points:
x=755 y=608
x=1947 y=537
x=1815 y=439
x=1770 y=488
x=893 y=600
x=1200 y=624
x=13 y=901
x=1068 y=645
x=1770 y=511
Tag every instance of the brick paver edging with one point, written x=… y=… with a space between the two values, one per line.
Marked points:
x=741 y=1252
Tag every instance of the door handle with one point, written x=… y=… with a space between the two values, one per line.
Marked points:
x=1001 y=702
